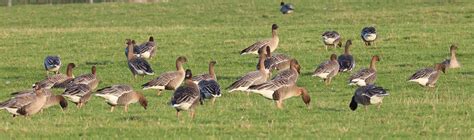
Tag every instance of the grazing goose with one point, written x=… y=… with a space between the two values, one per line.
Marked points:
x=252 y=78
x=365 y=76
x=57 y=79
x=146 y=50
x=89 y=79
x=368 y=35
x=275 y=61
x=137 y=65
x=428 y=76
x=453 y=62
x=78 y=94
x=286 y=8
x=52 y=64
x=169 y=80
x=368 y=95
x=331 y=38
x=327 y=70
x=121 y=95
x=283 y=79
x=186 y=97
x=272 y=43
x=346 y=61
x=52 y=99
x=209 y=89
x=290 y=91
x=26 y=104
x=208 y=76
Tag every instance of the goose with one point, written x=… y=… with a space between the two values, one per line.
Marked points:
x=331 y=38
x=26 y=104
x=283 y=79
x=57 y=79
x=79 y=94
x=186 y=97
x=52 y=64
x=368 y=35
x=208 y=76
x=346 y=61
x=146 y=50
x=169 y=80
x=272 y=43
x=368 y=95
x=209 y=89
x=286 y=8
x=137 y=65
x=88 y=79
x=290 y=91
x=52 y=100
x=252 y=78
x=453 y=62
x=365 y=76
x=278 y=62
x=121 y=95
x=427 y=76
x=328 y=69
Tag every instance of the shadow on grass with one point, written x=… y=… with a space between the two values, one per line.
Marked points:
x=331 y=109
x=106 y=62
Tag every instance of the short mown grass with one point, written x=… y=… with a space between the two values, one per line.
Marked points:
x=413 y=35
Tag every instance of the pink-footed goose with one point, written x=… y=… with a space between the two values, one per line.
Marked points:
x=121 y=95
x=169 y=80
x=272 y=43
x=365 y=76
x=428 y=76
x=252 y=78
x=328 y=69
x=453 y=61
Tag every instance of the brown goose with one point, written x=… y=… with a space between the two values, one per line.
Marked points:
x=169 y=80
x=428 y=76
x=453 y=62
x=187 y=96
x=331 y=38
x=327 y=70
x=365 y=76
x=290 y=91
x=146 y=50
x=79 y=94
x=26 y=104
x=283 y=79
x=88 y=79
x=368 y=95
x=52 y=99
x=58 y=79
x=252 y=78
x=137 y=65
x=272 y=43
x=275 y=61
x=346 y=61
x=208 y=76
x=121 y=95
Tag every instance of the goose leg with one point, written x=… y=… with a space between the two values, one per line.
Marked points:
x=379 y=105
x=213 y=100
x=126 y=108
x=112 y=109
x=279 y=104
x=193 y=114
x=365 y=107
x=158 y=93
x=177 y=114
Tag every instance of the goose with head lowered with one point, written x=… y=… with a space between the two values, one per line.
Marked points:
x=121 y=95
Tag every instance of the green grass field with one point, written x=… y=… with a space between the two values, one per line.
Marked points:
x=413 y=35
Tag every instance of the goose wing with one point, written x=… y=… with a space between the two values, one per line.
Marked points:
x=208 y=88
x=254 y=47
x=423 y=73
x=346 y=62
x=162 y=80
x=140 y=64
x=247 y=80
x=115 y=90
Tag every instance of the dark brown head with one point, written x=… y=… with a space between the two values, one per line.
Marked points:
x=375 y=58
x=453 y=47
x=269 y=51
x=93 y=70
x=263 y=51
x=348 y=42
x=295 y=65
x=282 y=3
x=182 y=59
x=71 y=65
x=62 y=101
x=333 y=57
x=440 y=67
x=37 y=88
x=188 y=74
x=305 y=96
x=213 y=62
x=142 y=100
x=274 y=26
x=134 y=42
x=151 y=39
x=128 y=41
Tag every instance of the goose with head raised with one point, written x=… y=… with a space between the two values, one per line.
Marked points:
x=272 y=43
x=169 y=80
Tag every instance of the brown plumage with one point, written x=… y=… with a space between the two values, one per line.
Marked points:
x=89 y=79
x=208 y=76
x=283 y=79
x=169 y=80
x=26 y=104
x=187 y=96
x=453 y=61
x=58 y=79
x=121 y=95
x=428 y=76
x=328 y=69
x=252 y=78
x=272 y=43
x=79 y=94
x=366 y=76
x=290 y=91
